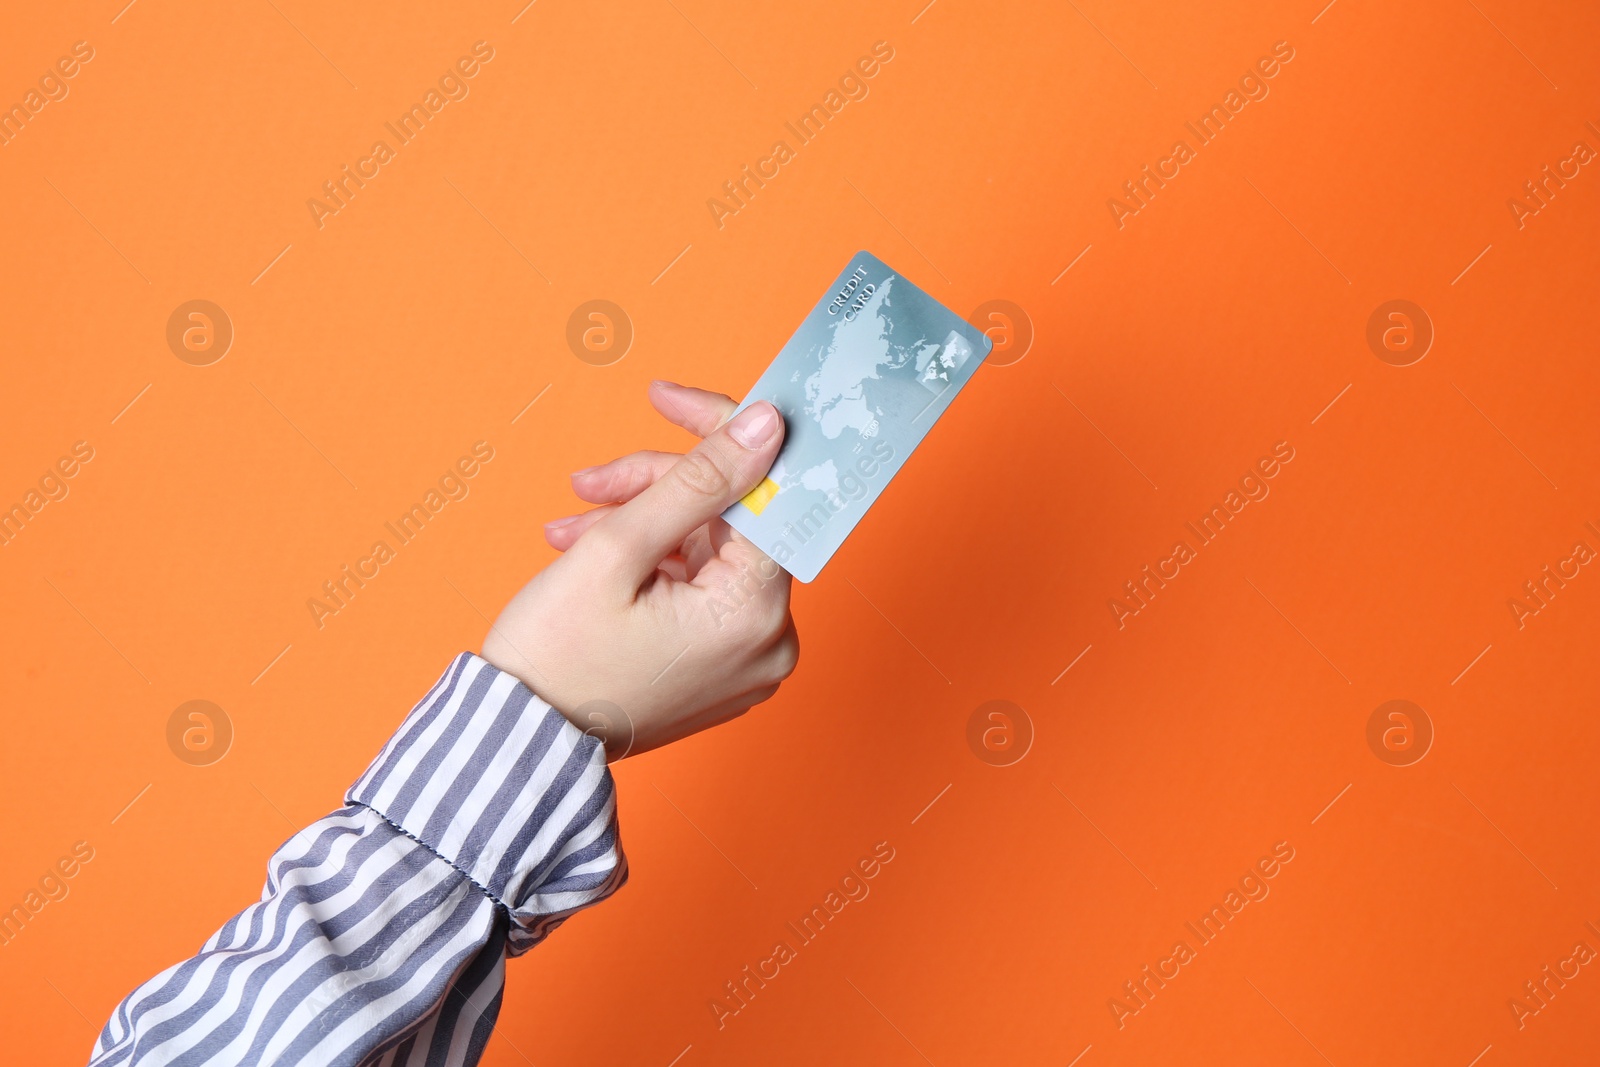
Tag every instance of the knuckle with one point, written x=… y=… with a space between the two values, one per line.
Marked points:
x=701 y=474
x=642 y=471
x=635 y=482
x=786 y=657
x=774 y=617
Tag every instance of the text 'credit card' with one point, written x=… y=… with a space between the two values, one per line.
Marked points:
x=859 y=385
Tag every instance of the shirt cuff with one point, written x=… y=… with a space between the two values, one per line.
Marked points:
x=503 y=788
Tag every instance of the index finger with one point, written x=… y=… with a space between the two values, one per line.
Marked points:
x=700 y=411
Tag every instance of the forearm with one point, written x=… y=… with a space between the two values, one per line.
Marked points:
x=485 y=821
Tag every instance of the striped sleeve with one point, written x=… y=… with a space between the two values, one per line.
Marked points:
x=382 y=934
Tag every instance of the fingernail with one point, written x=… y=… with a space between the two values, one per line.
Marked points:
x=665 y=384
x=755 y=425
x=556 y=524
x=586 y=470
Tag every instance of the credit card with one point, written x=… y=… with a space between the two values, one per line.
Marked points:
x=859 y=385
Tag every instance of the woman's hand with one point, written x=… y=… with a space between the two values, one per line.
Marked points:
x=659 y=620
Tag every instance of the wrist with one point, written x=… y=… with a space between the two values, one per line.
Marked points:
x=599 y=719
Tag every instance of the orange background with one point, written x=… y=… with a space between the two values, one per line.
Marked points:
x=1222 y=318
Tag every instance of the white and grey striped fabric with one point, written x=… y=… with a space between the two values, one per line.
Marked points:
x=382 y=934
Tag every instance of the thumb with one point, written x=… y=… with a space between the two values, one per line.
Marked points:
x=699 y=487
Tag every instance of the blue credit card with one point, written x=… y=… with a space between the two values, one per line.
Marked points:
x=859 y=385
